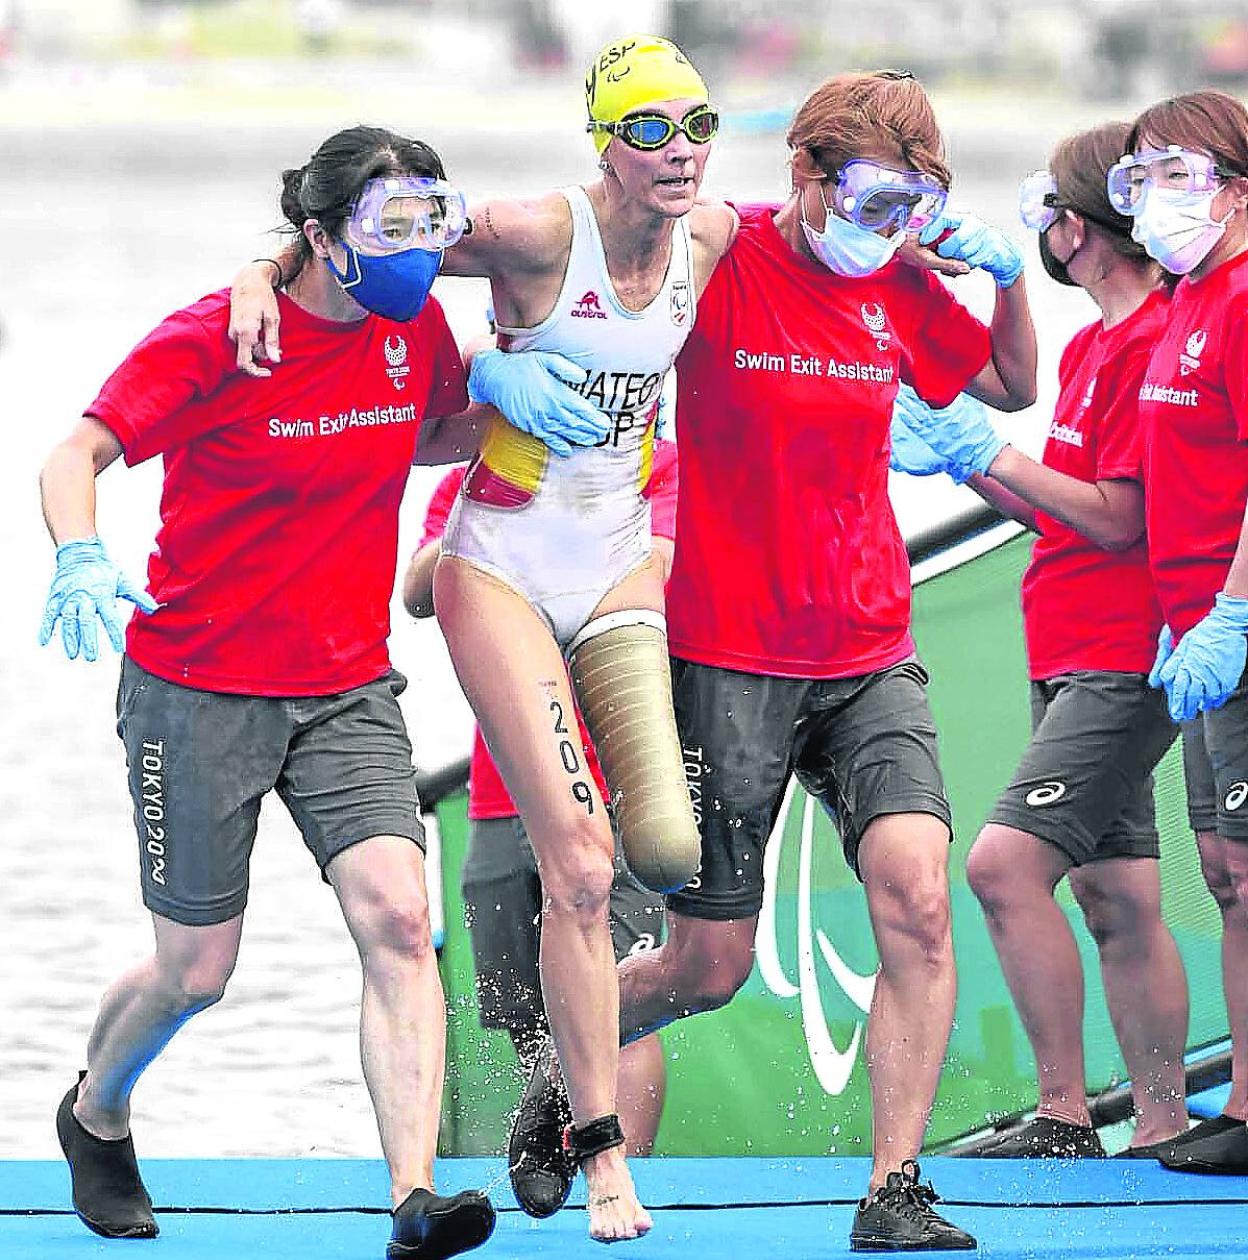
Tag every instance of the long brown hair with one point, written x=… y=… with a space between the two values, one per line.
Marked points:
x=852 y=113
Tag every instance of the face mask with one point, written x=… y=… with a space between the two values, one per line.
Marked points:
x=846 y=248
x=1052 y=264
x=1176 y=229
x=394 y=286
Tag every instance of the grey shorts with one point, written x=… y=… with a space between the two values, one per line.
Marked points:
x=1215 y=765
x=200 y=762
x=1085 y=783
x=864 y=746
x=503 y=909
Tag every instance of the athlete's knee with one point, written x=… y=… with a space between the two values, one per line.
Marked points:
x=576 y=882
x=399 y=927
x=913 y=905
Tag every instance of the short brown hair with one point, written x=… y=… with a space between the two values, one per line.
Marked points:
x=1211 y=121
x=1080 y=164
x=851 y=113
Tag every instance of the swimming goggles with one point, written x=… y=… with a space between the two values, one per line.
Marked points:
x=1173 y=167
x=399 y=212
x=1037 y=201
x=874 y=197
x=649 y=132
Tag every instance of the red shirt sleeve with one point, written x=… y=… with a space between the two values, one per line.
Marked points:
x=1119 y=446
x=662 y=490
x=439 y=509
x=448 y=382
x=144 y=402
x=946 y=345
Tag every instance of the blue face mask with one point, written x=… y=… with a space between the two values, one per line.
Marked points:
x=846 y=248
x=393 y=286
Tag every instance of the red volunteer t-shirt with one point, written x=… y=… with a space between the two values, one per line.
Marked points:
x=1085 y=607
x=789 y=560
x=1194 y=415
x=276 y=554
x=487 y=795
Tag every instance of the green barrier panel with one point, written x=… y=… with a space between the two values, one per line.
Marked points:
x=781 y=1070
x=482 y=1075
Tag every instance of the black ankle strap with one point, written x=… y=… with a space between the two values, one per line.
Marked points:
x=584 y=1141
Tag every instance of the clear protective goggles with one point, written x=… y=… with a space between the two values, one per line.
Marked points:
x=649 y=132
x=875 y=197
x=399 y=212
x=1173 y=167
x=1037 y=201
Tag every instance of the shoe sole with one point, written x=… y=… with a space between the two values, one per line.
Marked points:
x=137 y=1231
x=889 y=1244
x=1205 y=1169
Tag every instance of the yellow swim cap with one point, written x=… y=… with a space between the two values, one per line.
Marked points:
x=634 y=71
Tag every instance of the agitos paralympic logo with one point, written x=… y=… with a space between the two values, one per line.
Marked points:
x=832 y=1065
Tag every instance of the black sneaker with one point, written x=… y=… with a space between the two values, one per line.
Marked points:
x=108 y=1193
x=1213 y=1126
x=428 y=1226
x=1224 y=1151
x=899 y=1217
x=1046 y=1138
x=541 y=1170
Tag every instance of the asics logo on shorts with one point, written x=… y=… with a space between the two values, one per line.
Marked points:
x=643 y=944
x=1236 y=795
x=1046 y=794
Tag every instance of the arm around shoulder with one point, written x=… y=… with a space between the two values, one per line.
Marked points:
x=532 y=235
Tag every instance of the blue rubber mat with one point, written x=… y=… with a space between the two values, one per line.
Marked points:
x=1209 y=1102
x=283 y=1209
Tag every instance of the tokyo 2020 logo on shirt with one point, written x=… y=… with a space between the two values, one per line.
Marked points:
x=396 y=356
x=833 y=1066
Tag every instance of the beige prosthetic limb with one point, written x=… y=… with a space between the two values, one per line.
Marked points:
x=619 y=669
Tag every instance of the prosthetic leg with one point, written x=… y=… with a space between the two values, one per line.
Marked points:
x=620 y=672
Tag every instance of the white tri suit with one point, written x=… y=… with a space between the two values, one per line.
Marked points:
x=564 y=532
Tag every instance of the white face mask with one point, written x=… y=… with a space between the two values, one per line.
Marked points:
x=1176 y=228
x=846 y=248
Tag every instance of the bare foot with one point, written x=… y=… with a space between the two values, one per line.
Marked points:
x=615 y=1212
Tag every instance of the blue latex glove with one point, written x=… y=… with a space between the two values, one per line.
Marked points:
x=1208 y=661
x=532 y=390
x=87 y=584
x=908 y=452
x=976 y=243
x=960 y=435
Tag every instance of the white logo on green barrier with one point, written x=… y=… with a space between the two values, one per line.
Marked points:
x=833 y=1066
